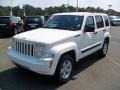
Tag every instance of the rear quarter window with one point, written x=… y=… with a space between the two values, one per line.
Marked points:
x=99 y=21
x=106 y=20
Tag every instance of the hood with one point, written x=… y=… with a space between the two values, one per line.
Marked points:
x=46 y=36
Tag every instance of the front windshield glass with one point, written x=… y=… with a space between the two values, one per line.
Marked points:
x=66 y=22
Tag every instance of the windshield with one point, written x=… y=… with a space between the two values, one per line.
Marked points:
x=66 y=22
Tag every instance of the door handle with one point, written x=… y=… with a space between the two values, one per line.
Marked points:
x=95 y=32
x=104 y=30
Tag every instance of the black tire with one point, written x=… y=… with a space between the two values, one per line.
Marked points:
x=104 y=50
x=58 y=74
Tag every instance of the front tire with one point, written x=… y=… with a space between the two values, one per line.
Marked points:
x=65 y=68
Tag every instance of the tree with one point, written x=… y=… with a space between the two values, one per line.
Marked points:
x=31 y=10
x=17 y=11
x=4 y=11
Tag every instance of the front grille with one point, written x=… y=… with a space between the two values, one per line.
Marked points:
x=23 y=47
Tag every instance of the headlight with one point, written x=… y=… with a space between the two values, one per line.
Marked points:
x=39 y=50
x=48 y=55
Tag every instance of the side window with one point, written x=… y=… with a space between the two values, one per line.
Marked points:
x=99 y=21
x=13 y=19
x=106 y=20
x=90 y=25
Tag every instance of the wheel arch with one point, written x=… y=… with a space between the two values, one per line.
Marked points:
x=68 y=48
x=107 y=37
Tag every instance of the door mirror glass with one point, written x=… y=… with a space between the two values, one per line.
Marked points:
x=89 y=28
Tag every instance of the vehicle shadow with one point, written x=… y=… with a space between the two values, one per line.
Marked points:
x=87 y=62
x=18 y=79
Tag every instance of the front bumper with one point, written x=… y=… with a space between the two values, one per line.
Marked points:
x=37 y=65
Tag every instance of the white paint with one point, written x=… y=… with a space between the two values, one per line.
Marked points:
x=56 y=42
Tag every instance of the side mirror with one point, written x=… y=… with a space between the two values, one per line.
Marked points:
x=89 y=28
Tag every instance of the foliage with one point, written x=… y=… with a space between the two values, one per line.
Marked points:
x=31 y=10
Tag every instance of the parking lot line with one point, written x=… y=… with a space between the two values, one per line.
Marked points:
x=113 y=60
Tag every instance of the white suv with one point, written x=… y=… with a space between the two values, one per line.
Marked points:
x=63 y=41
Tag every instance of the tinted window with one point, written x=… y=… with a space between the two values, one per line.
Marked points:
x=33 y=19
x=106 y=20
x=99 y=21
x=66 y=22
x=90 y=22
x=4 y=20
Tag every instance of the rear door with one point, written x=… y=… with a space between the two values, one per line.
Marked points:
x=99 y=32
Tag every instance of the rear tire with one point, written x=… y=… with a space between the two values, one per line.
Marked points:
x=104 y=50
x=65 y=68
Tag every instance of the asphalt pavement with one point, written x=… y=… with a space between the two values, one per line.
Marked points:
x=92 y=72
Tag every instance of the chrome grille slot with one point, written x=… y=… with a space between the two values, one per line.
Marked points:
x=16 y=46
x=28 y=50
x=23 y=47
x=32 y=48
x=20 y=48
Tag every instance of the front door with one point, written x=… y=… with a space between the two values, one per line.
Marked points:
x=87 y=37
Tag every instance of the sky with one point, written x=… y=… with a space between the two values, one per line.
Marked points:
x=82 y=3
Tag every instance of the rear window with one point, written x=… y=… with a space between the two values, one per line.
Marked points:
x=106 y=20
x=99 y=21
x=33 y=19
x=4 y=20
